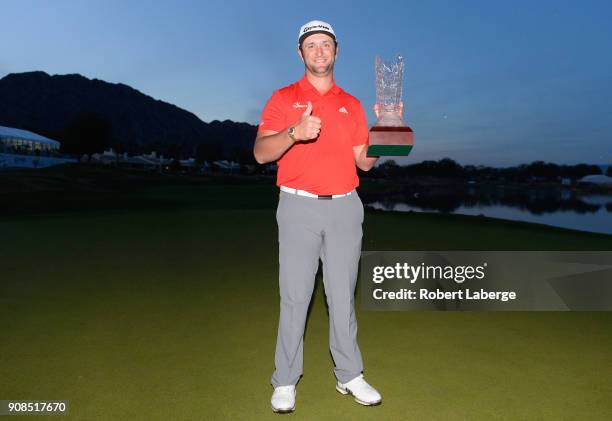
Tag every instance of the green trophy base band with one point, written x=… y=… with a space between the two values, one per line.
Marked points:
x=389 y=150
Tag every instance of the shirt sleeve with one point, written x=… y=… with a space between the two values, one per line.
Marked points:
x=361 y=131
x=272 y=116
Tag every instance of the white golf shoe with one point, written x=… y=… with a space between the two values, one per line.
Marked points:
x=283 y=399
x=361 y=391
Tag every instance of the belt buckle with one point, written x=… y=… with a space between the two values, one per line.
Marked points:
x=324 y=197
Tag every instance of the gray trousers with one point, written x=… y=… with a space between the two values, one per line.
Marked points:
x=309 y=229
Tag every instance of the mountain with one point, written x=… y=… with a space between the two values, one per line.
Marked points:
x=88 y=115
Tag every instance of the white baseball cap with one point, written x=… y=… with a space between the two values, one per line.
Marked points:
x=315 y=27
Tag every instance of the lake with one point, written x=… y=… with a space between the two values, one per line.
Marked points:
x=588 y=213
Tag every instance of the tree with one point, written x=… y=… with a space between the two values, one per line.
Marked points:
x=86 y=134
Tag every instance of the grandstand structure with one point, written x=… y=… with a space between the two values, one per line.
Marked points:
x=23 y=141
x=23 y=149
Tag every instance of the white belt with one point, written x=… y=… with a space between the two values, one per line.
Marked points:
x=308 y=194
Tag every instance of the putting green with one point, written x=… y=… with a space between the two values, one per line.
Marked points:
x=167 y=310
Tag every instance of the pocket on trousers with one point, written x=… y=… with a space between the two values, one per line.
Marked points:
x=359 y=204
x=279 y=205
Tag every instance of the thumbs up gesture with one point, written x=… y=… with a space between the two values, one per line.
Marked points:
x=309 y=125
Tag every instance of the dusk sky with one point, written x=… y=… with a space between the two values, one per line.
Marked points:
x=492 y=83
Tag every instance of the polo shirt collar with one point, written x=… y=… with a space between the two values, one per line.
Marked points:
x=305 y=85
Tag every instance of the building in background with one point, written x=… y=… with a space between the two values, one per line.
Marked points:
x=23 y=149
x=23 y=141
x=145 y=161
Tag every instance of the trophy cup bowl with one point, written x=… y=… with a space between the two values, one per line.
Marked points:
x=389 y=136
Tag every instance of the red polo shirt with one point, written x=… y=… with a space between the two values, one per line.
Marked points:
x=325 y=165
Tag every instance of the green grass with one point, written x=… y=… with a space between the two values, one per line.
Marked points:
x=162 y=304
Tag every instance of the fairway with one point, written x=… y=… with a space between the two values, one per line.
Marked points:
x=163 y=305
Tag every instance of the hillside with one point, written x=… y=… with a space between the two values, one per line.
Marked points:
x=88 y=115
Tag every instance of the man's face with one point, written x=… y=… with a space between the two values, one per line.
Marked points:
x=319 y=54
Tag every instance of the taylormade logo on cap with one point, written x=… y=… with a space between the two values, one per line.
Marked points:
x=315 y=27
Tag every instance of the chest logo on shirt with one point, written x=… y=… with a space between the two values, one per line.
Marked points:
x=342 y=110
x=298 y=105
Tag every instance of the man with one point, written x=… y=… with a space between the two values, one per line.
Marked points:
x=318 y=134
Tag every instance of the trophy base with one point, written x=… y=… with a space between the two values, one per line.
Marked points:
x=389 y=150
x=390 y=141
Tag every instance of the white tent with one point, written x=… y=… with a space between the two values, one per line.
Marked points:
x=18 y=138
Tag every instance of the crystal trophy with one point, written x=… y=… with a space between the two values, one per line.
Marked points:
x=389 y=136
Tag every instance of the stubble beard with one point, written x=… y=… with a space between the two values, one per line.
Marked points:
x=326 y=71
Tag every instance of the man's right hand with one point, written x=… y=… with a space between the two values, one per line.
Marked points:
x=309 y=125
